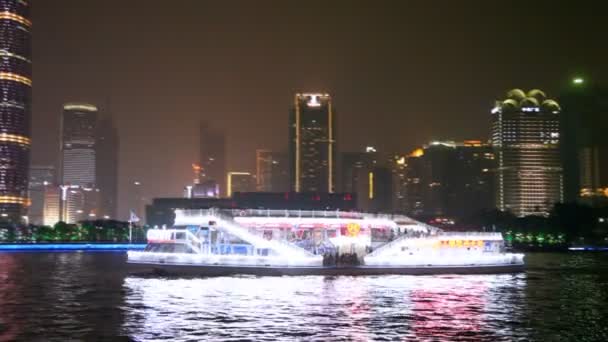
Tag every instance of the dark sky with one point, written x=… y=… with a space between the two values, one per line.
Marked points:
x=401 y=72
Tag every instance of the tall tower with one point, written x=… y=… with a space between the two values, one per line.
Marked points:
x=213 y=156
x=312 y=143
x=15 y=108
x=106 y=164
x=78 y=154
x=526 y=136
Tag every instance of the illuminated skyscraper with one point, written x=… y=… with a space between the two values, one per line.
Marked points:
x=312 y=143
x=447 y=179
x=106 y=164
x=239 y=182
x=15 y=108
x=41 y=178
x=583 y=142
x=212 y=156
x=272 y=173
x=526 y=137
x=78 y=154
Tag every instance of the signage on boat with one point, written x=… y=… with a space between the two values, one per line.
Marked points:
x=353 y=229
x=157 y=235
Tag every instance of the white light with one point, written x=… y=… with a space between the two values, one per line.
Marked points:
x=4 y=215
x=369 y=149
x=136 y=183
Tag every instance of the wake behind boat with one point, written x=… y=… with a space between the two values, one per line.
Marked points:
x=280 y=242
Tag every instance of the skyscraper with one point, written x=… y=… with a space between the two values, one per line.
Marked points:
x=526 y=137
x=15 y=108
x=213 y=156
x=239 y=182
x=106 y=163
x=78 y=153
x=41 y=178
x=272 y=174
x=447 y=179
x=312 y=143
x=583 y=144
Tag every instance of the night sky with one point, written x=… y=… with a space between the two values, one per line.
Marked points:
x=401 y=72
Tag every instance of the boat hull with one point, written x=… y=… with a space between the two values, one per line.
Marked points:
x=219 y=270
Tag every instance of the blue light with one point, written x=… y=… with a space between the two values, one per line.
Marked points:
x=58 y=247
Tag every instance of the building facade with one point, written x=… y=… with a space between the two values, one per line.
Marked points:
x=212 y=156
x=107 y=144
x=312 y=143
x=41 y=178
x=583 y=145
x=272 y=173
x=453 y=180
x=239 y=182
x=78 y=139
x=526 y=137
x=15 y=109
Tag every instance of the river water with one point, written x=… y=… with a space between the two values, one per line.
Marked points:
x=90 y=296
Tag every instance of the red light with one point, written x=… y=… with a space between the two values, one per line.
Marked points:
x=348 y=197
x=286 y=196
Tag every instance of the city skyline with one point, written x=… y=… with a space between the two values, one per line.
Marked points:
x=394 y=88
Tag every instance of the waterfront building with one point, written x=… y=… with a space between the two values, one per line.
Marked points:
x=272 y=174
x=51 y=205
x=107 y=144
x=78 y=138
x=312 y=143
x=212 y=156
x=79 y=203
x=41 y=177
x=15 y=109
x=526 y=137
x=239 y=182
x=451 y=180
x=583 y=145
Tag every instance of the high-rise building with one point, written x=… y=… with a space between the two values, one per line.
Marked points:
x=312 y=143
x=526 y=138
x=452 y=180
x=239 y=182
x=584 y=148
x=272 y=173
x=78 y=138
x=212 y=156
x=106 y=163
x=41 y=177
x=15 y=108
x=374 y=177
x=52 y=205
x=79 y=203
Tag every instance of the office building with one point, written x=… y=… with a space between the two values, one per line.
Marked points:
x=446 y=179
x=15 y=109
x=51 y=205
x=583 y=145
x=78 y=138
x=272 y=172
x=41 y=178
x=79 y=203
x=312 y=143
x=212 y=156
x=239 y=182
x=526 y=137
x=106 y=164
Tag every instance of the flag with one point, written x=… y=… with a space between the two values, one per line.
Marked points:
x=133 y=218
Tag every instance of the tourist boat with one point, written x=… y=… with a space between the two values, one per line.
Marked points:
x=278 y=242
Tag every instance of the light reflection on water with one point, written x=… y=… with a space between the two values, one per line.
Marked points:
x=322 y=308
x=90 y=297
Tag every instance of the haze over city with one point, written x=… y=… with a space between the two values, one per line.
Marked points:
x=400 y=73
